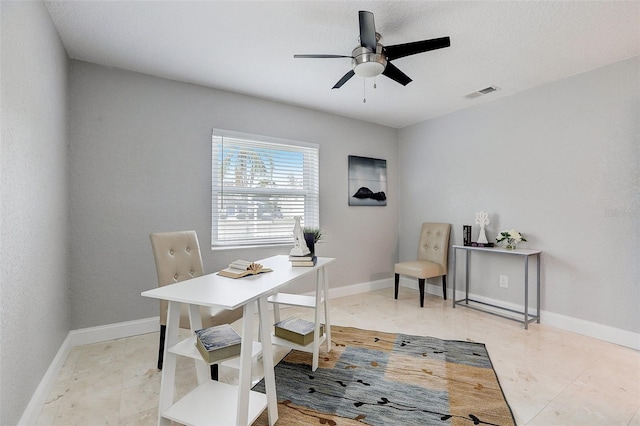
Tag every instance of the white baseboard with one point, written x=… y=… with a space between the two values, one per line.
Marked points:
x=80 y=337
x=149 y=325
x=576 y=325
x=360 y=288
x=39 y=397
x=86 y=336
x=593 y=329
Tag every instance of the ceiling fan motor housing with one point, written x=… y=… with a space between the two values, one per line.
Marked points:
x=366 y=63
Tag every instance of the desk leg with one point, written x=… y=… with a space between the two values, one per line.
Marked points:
x=526 y=292
x=167 y=384
x=455 y=254
x=316 y=320
x=267 y=361
x=203 y=372
x=244 y=385
x=538 y=286
x=321 y=291
x=327 y=322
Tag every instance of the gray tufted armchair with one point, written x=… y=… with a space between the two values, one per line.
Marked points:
x=433 y=250
x=177 y=257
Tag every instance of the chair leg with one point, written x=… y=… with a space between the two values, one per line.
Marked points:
x=397 y=283
x=214 y=372
x=163 y=332
x=421 y=288
x=444 y=287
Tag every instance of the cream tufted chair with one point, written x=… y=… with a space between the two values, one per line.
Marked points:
x=432 y=258
x=177 y=257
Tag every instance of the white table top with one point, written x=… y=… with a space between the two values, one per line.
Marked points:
x=521 y=252
x=228 y=293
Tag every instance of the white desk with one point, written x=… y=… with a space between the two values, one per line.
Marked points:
x=212 y=402
x=524 y=253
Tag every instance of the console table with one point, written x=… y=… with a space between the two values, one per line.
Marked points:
x=523 y=253
x=215 y=402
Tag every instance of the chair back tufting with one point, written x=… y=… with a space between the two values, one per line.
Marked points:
x=177 y=257
x=434 y=243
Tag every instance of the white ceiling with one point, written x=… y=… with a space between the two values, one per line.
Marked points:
x=248 y=47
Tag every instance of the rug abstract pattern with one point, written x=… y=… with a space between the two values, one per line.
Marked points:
x=376 y=378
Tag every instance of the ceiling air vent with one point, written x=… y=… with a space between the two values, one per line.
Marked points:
x=481 y=92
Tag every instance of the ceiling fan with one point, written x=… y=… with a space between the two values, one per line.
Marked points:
x=372 y=58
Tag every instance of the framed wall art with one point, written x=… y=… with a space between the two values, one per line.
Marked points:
x=367 y=181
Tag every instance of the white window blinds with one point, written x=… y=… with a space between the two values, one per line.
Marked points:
x=258 y=185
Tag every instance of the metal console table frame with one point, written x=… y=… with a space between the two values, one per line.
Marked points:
x=527 y=318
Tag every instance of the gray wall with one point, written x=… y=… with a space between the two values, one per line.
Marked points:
x=559 y=163
x=140 y=161
x=34 y=296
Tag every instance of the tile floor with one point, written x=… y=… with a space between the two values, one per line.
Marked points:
x=549 y=376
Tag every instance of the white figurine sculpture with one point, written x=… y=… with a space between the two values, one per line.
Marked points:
x=299 y=244
x=482 y=219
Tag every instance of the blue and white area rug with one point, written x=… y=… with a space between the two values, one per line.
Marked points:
x=384 y=379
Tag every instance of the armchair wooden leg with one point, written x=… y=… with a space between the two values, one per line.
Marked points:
x=397 y=283
x=421 y=288
x=214 y=372
x=163 y=332
x=444 y=287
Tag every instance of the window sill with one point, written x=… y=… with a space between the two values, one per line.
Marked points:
x=250 y=246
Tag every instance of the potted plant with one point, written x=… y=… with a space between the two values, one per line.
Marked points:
x=311 y=236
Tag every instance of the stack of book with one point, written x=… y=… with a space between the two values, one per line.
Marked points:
x=307 y=260
x=217 y=343
x=296 y=330
x=481 y=244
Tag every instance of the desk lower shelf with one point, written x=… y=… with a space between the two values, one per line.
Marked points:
x=199 y=406
x=187 y=347
x=287 y=343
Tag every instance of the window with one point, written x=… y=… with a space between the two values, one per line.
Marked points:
x=258 y=185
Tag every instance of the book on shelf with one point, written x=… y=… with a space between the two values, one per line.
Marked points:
x=296 y=330
x=310 y=262
x=466 y=235
x=241 y=268
x=481 y=244
x=294 y=258
x=217 y=343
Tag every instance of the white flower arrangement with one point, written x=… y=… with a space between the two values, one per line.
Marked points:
x=511 y=237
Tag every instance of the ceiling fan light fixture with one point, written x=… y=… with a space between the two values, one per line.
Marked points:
x=366 y=63
x=369 y=69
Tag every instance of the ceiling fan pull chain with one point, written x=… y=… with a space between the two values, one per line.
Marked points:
x=375 y=86
x=364 y=90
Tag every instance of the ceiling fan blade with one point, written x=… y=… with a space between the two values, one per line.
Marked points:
x=367 y=31
x=395 y=74
x=321 y=56
x=406 y=49
x=344 y=79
